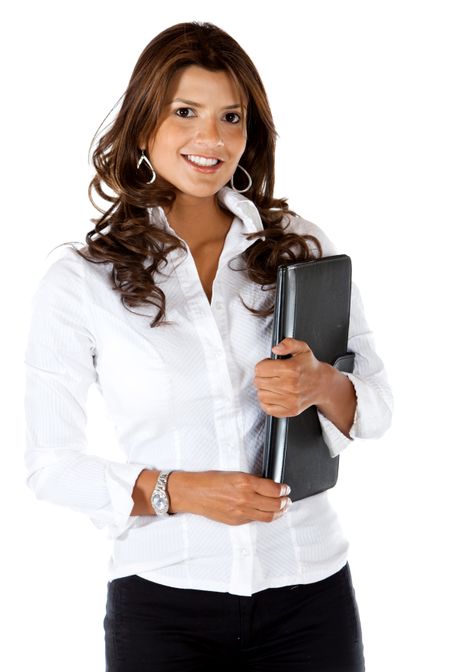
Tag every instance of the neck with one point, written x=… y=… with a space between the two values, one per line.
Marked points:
x=198 y=219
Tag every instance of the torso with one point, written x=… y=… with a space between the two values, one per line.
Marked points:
x=206 y=256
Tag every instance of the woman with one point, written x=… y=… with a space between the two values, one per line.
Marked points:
x=212 y=564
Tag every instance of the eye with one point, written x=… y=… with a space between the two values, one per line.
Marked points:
x=182 y=108
x=236 y=115
x=183 y=116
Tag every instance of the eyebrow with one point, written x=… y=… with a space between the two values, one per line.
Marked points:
x=191 y=102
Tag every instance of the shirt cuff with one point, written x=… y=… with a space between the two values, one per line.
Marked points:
x=120 y=480
x=333 y=437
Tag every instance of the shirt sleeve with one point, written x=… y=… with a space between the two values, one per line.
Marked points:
x=374 y=399
x=59 y=369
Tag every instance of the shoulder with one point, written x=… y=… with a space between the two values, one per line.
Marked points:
x=64 y=264
x=300 y=225
x=60 y=275
x=62 y=261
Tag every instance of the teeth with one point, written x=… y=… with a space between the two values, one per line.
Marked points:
x=201 y=161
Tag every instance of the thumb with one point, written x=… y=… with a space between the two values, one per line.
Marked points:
x=290 y=345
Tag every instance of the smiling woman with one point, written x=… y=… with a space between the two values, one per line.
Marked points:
x=213 y=566
x=207 y=141
x=193 y=94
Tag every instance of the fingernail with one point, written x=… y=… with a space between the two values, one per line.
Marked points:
x=286 y=490
x=286 y=503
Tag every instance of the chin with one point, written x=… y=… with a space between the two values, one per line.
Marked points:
x=203 y=192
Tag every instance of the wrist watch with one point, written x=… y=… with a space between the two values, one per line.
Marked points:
x=160 y=497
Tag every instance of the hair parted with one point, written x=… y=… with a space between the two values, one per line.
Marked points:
x=123 y=236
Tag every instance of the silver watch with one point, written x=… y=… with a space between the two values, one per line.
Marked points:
x=160 y=497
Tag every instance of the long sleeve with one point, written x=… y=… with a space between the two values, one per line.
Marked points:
x=374 y=407
x=59 y=369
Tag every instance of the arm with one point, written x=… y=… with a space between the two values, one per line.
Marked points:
x=59 y=369
x=366 y=412
x=178 y=488
x=338 y=402
x=374 y=399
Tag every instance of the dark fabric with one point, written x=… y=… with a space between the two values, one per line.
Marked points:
x=311 y=627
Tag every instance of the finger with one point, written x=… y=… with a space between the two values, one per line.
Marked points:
x=269 y=488
x=272 y=504
x=265 y=516
x=289 y=378
x=267 y=368
x=282 y=390
x=275 y=399
x=291 y=345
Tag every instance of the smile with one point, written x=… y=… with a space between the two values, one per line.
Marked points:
x=202 y=164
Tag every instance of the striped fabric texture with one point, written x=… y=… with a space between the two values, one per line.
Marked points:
x=180 y=396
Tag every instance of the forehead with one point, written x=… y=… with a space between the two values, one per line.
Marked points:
x=198 y=83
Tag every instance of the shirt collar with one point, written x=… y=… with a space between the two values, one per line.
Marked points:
x=247 y=220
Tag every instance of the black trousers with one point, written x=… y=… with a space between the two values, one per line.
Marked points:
x=150 y=627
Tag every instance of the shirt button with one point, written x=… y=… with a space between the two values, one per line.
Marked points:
x=244 y=551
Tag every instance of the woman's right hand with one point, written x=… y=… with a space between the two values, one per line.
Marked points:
x=231 y=497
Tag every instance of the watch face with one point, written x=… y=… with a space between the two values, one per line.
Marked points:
x=159 y=503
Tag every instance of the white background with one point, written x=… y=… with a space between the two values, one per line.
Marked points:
x=360 y=96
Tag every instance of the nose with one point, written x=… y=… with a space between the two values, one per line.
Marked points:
x=208 y=133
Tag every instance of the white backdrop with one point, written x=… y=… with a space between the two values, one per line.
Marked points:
x=360 y=97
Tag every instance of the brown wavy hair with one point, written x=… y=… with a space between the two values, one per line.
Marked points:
x=123 y=235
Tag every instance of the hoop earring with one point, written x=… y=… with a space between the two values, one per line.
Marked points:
x=144 y=158
x=241 y=191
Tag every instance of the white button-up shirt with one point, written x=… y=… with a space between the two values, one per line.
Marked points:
x=181 y=397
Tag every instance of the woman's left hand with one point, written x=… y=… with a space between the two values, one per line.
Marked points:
x=287 y=387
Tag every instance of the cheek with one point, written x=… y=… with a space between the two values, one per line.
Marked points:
x=169 y=137
x=237 y=141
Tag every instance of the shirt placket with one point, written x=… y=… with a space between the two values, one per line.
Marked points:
x=211 y=323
